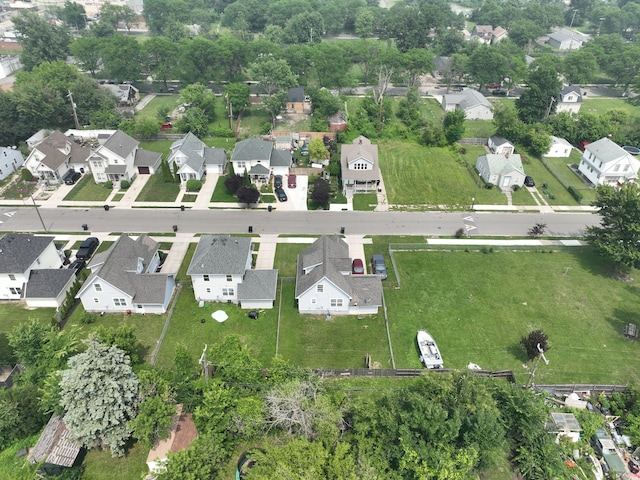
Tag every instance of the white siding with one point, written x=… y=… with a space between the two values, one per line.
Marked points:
x=316 y=302
x=105 y=298
x=215 y=287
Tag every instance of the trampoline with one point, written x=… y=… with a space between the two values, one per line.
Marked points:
x=632 y=150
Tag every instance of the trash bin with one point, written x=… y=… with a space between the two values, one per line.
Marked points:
x=269 y=208
x=342 y=230
x=175 y=228
x=182 y=208
x=85 y=227
x=106 y=208
x=250 y=229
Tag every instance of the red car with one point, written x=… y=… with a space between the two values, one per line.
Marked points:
x=357 y=267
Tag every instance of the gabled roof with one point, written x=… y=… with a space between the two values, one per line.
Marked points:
x=338 y=118
x=220 y=255
x=18 y=251
x=499 y=164
x=295 y=94
x=123 y=92
x=467 y=99
x=146 y=158
x=498 y=141
x=560 y=141
x=252 y=149
x=608 y=151
x=215 y=156
x=121 y=144
x=281 y=158
x=197 y=153
x=360 y=148
x=125 y=267
x=55 y=445
x=258 y=285
x=48 y=283
x=326 y=257
x=57 y=149
x=569 y=89
x=259 y=169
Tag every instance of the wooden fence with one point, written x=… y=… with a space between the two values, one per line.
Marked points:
x=406 y=373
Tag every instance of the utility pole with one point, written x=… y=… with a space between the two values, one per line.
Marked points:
x=38 y=212
x=546 y=115
x=535 y=367
x=205 y=365
x=75 y=114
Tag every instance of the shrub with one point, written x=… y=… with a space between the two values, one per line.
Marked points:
x=222 y=132
x=575 y=194
x=124 y=184
x=516 y=188
x=194 y=185
x=108 y=185
x=26 y=175
x=87 y=318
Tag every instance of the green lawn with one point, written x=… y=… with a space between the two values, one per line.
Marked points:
x=365 y=202
x=88 y=190
x=157 y=190
x=100 y=465
x=150 y=111
x=13 y=313
x=254 y=119
x=287 y=257
x=555 y=193
x=19 y=190
x=221 y=194
x=160 y=146
x=478 y=128
x=602 y=105
x=461 y=299
x=559 y=167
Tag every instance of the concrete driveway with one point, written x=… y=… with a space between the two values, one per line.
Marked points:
x=296 y=197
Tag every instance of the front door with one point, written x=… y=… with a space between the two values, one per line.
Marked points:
x=506 y=181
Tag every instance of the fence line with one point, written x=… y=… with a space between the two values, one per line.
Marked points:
x=567 y=388
x=406 y=372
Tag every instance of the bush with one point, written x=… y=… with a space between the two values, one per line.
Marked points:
x=108 y=185
x=515 y=188
x=194 y=185
x=124 y=184
x=488 y=186
x=575 y=194
x=87 y=318
x=223 y=132
x=26 y=175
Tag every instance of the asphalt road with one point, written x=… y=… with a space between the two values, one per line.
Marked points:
x=26 y=219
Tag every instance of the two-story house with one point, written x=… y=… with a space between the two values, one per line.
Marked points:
x=192 y=159
x=260 y=159
x=487 y=34
x=220 y=271
x=569 y=99
x=606 y=163
x=55 y=155
x=124 y=279
x=360 y=170
x=325 y=285
x=297 y=101
x=10 y=160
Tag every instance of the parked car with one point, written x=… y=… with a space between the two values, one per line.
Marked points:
x=280 y=193
x=529 y=182
x=292 y=181
x=304 y=150
x=378 y=266
x=357 y=267
x=78 y=266
x=87 y=248
x=500 y=92
x=277 y=181
x=71 y=177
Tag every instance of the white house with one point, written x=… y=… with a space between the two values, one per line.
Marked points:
x=487 y=34
x=54 y=156
x=472 y=102
x=500 y=145
x=9 y=64
x=360 y=169
x=20 y=254
x=325 y=286
x=48 y=288
x=559 y=148
x=606 y=163
x=569 y=99
x=192 y=159
x=220 y=271
x=503 y=171
x=565 y=39
x=10 y=160
x=260 y=159
x=124 y=279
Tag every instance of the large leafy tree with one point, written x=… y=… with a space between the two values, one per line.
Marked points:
x=41 y=41
x=618 y=235
x=159 y=13
x=86 y=52
x=161 y=55
x=122 y=57
x=73 y=15
x=540 y=100
x=157 y=407
x=99 y=394
x=273 y=74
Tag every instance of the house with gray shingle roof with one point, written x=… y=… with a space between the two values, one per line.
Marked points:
x=500 y=145
x=20 y=254
x=503 y=171
x=569 y=99
x=260 y=159
x=220 y=271
x=53 y=157
x=192 y=159
x=49 y=287
x=297 y=101
x=474 y=104
x=360 y=169
x=325 y=285
x=124 y=279
x=604 y=162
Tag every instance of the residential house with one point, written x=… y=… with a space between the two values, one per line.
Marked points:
x=499 y=33
x=360 y=169
x=124 y=279
x=606 y=163
x=284 y=142
x=503 y=171
x=55 y=447
x=182 y=432
x=54 y=156
x=9 y=64
x=569 y=99
x=338 y=122
x=221 y=271
x=325 y=286
x=127 y=94
x=500 y=145
x=473 y=103
x=260 y=159
x=559 y=148
x=120 y=157
x=192 y=159
x=565 y=39
x=297 y=101
x=10 y=160
x=48 y=287
x=487 y=34
x=564 y=425
x=20 y=254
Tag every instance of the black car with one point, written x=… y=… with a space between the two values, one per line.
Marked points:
x=529 y=182
x=280 y=193
x=71 y=177
x=87 y=248
x=277 y=181
x=77 y=265
x=500 y=92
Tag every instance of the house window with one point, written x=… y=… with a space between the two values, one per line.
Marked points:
x=205 y=278
x=314 y=301
x=208 y=290
x=15 y=291
x=320 y=288
x=229 y=278
x=228 y=292
x=336 y=302
x=242 y=165
x=616 y=168
x=96 y=300
x=97 y=287
x=12 y=276
x=626 y=167
x=139 y=306
x=119 y=302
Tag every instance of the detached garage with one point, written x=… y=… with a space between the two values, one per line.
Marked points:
x=146 y=162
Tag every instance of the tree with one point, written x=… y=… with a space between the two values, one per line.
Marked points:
x=274 y=104
x=273 y=75
x=86 y=51
x=453 y=126
x=507 y=123
x=116 y=14
x=233 y=182
x=618 y=235
x=123 y=337
x=248 y=195
x=73 y=15
x=203 y=459
x=159 y=13
x=580 y=67
x=317 y=149
x=539 y=101
x=194 y=120
x=99 y=393
x=197 y=95
x=157 y=407
x=161 y=56
x=533 y=340
x=487 y=65
x=122 y=57
x=320 y=193
x=415 y=63
x=238 y=95
x=41 y=41
x=364 y=23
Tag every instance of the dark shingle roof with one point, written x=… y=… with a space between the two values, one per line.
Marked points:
x=259 y=169
x=280 y=158
x=252 y=149
x=258 y=285
x=326 y=257
x=295 y=94
x=121 y=144
x=18 y=251
x=197 y=153
x=145 y=158
x=220 y=255
x=48 y=283
x=58 y=148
